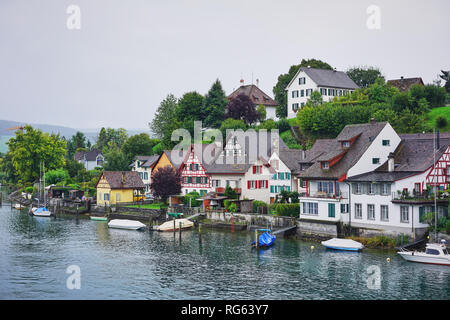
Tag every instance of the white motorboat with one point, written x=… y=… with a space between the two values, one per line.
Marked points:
x=435 y=253
x=343 y=244
x=169 y=225
x=126 y=224
x=41 y=212
x=18 y=206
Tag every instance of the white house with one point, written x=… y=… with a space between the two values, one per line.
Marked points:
x=144 y=165
x=330 y=83
x=359 y=148
x=395 y=196
x=90 y=159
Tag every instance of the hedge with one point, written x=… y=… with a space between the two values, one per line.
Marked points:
x=285 y=209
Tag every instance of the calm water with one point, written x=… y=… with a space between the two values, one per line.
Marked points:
x=119 y=264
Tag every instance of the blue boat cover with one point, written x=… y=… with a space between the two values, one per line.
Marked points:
x=42 y=209
x=265 y=240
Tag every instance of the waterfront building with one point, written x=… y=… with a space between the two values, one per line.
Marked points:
x=118 y=186
x=330 y=83
x=396 y=196
x=358 y=149
x=90 y=159
x=143 y=165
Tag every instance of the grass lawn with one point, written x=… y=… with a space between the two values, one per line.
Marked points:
x=436 y=112
x=150 y=206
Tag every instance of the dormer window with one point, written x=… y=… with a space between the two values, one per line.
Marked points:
x=346 y=144
x=325 y=165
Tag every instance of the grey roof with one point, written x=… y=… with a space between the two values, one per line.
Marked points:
x=328 y=78
x=90 y=155
x=255 y=94
x=414 y=154
x=365 y=134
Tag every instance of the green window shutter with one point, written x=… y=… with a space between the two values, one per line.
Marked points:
x=421 y=214
x=289 y=176
x=189 y=179
x=275 y=176
x=331 y=209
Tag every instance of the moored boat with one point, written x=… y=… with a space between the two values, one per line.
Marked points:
x=99 y=218
x=18 y=206
x=435 y=253
x=126 y=224
x=41 y=212
x=343 y=244
x=265 y=240
x=169 y=225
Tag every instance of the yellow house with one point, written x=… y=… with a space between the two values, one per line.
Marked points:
x=171 y=158
x=117 y=186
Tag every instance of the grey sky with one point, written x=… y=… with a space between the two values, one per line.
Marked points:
x=129 y=55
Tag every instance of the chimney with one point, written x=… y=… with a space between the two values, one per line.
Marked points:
x=242 y=82
x=303 y=154
x=373 y=121
x=391 y=165
x=123 y=178
x=257 y=83
x=334 y=69
x=437 y=140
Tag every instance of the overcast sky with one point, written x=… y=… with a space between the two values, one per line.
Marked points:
x=128 y=55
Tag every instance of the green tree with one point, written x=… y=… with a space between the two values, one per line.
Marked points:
x=215 y=103
x=115 y=159
x=30 y=147
x=139 y=144
x=279 y=90
x=234 y=124
x=315 y=99
x=364 y=76
x=166 y=121
x=56 y=176
x=230 y=193
x=446 y=77
x=110 y=135
x=262 y=112
x=191 y=108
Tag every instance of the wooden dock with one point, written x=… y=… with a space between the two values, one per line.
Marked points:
x=285 y=231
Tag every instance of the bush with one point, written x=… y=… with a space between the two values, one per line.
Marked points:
x=285 y=209
x=447 y=227
x=193 y=196
x=56 y=176
x=441 y=122
x=232 y=208
x=29 y=189
x=283 y=125
x=257 y=204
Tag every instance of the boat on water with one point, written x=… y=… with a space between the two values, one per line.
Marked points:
x=126 y=224
x=265 y=240
x=435 y=253
x=18 y=206
x=99 y=218
x=41 y=212
x=343 y=244
x=169 y=225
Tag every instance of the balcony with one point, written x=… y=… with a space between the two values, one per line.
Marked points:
x=221 y=190
x=424 y=197
x=325 y=195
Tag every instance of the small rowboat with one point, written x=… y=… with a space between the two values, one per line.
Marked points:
x=99 y=218
x=18 y=206
x=343 y=244
x=126 y=224
x=169 y=225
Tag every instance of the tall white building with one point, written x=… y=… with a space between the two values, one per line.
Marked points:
x=330 y=83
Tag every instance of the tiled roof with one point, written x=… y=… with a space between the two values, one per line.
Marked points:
x=123 y=179
x=404 y=84
x=90 y=155
x=365 y=133
x=255 y=94
x=328 y=78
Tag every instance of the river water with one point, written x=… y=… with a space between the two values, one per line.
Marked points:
x=36 y=252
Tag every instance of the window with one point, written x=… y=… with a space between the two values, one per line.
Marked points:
x=302 y=93
x=281 y=175
x=358 y=188
x=384 y=188
x=294 y=106
x=386 y=143
x=295 y=94
x=311 y=208
x=324 y=186
x=324 y=92
x=106 y=197
x=325 y=165
x=371 y=188
x=189 y=179
x=384 y=213
x=140 y=175
x=432 y=251
x=117 y=197
x=375 y=160
x=404 y=214
x=145 y=175
x=346 y=144
x=344 y=207
x=257 y=169
x=331 y=210
x=448 y=173
x=303 y=104
x=302 y=80
x=417 y=187
x=370 y=212
x=358 y=211
x=216 y=183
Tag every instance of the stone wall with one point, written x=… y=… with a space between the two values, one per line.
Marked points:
x=317 y=229
x=252 y=219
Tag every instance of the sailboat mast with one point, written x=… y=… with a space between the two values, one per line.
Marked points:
x=435 y=188
x=43 y=169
